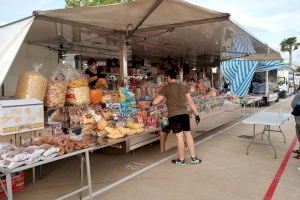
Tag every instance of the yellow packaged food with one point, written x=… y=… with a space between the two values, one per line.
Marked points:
x=78 y=96
x=78 y=82
x=31 y=85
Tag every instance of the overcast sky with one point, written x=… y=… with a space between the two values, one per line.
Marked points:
x=269 y=20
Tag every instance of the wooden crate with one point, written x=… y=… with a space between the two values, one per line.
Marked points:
x=43 y=132
x=24 y=139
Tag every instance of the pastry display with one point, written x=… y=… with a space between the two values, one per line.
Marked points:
x=102 y=124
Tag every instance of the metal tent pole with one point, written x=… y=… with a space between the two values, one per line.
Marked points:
x=267 y=85
x=123 y=59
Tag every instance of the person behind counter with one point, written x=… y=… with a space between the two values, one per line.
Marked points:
x=93 y=72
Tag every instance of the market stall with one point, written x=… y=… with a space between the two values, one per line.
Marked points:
x=79 y=119
x=257 y=77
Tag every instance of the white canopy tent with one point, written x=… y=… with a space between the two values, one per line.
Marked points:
x=146 y=27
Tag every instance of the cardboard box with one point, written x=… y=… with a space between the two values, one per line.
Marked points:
x=57 y=128
x=11 y=139
x=18 y=183
x=18 y=116
x=24 y=139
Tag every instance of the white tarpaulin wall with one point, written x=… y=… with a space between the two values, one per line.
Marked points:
x=11 y=39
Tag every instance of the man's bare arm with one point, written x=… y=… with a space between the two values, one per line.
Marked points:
x=157 y=100
x=192 y=104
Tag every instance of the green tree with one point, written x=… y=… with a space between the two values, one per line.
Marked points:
x=289 y=45
x=80 y=3
x=298 y=69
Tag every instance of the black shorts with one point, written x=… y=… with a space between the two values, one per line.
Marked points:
x=178 y=124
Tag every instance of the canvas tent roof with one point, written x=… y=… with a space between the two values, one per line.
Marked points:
x=119 y=16
x=157 y=27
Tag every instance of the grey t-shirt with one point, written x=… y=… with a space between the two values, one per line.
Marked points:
x=175 y=94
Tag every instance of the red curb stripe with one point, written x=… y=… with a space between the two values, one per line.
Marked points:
x=273 y=185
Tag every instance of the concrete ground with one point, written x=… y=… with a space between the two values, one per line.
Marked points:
x=226 y=172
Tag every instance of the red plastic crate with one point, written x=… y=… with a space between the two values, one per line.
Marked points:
x=18 y=183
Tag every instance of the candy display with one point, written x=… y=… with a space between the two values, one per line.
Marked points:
x=55 y=94
x=210 y=103
x=128 y=102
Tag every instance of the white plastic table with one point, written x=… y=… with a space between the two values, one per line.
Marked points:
x=267 y=119
x=250 y=100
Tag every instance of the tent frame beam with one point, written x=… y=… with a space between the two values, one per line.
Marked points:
x=149 y=12
x=76 y=24
x=183 y=24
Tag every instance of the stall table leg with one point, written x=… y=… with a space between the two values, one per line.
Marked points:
x=269 y=135
x=280 y=130
x=251 y=140
x=9 y=187
x=81 y=174
x=88 y=174
x=33 y=175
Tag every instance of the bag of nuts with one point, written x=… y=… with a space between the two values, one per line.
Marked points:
x=56 y=94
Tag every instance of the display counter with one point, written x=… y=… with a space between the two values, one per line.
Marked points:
x=215 y=112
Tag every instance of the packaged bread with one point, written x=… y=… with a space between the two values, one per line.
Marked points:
x=78 y=96
x=56 y=94
x=31 y=85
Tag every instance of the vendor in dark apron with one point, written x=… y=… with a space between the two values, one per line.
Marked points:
x=93 y=72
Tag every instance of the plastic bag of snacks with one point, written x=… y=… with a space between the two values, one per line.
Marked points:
x=96 y=96
x=76 y=82
x=128 y=102
x=75 y=78
x=101 y=83
x=56 y=94
x=78 y=96
x=31 y=84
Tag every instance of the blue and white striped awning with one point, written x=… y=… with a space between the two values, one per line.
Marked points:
x=269 y=65
x=240 y=45
x=239 y=72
